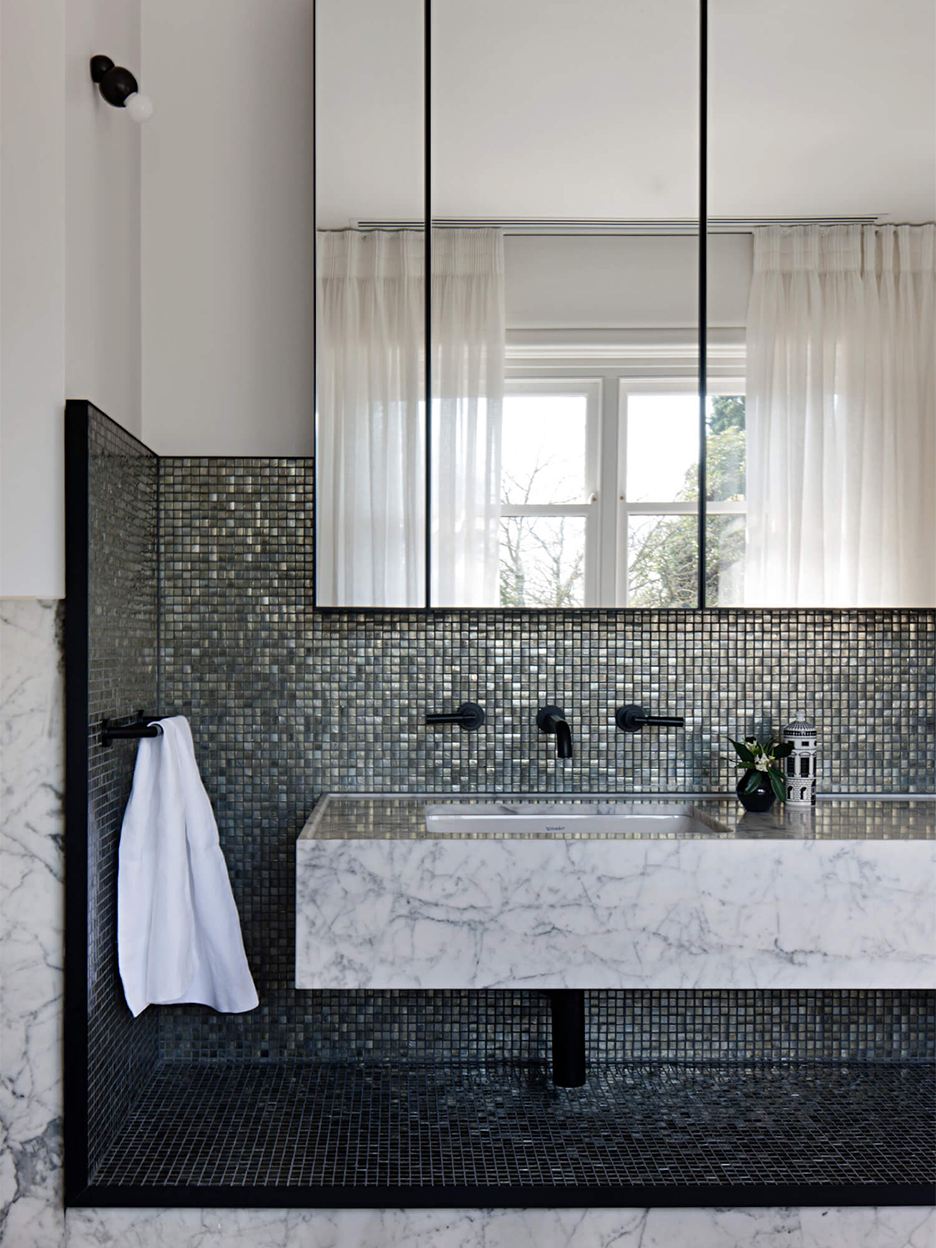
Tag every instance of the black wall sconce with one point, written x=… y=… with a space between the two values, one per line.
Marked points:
x=119 y=87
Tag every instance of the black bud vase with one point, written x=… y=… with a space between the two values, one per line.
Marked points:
x=761 y=798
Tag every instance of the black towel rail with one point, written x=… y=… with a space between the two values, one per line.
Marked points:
x=140 y=727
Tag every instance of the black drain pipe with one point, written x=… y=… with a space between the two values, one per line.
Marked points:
x=568 y=1037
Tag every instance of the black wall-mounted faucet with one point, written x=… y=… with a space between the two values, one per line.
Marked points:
x=469 y=717
x=632 y=718
x=552 y=719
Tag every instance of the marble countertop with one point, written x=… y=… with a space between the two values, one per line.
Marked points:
x=401 y=816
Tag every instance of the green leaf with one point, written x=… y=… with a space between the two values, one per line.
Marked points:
x=753 y=781
x=784 y=750
x=743 y=753
x=778 y=784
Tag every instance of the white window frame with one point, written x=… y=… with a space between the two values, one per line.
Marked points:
x=591 y=388
x=608 y=372
x=628 y=386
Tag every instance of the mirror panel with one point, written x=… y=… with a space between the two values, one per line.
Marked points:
x=564 y=207
x=822 y=150
x=370 y=305
x=564 y=304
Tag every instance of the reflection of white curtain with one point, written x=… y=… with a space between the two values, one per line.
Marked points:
x=371 y=435
x=371 y=446
x=841 y=477
x=468 y=331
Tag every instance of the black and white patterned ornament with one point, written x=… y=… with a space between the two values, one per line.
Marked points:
x=800 y=769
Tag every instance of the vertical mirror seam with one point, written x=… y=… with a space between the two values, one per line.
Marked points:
x=427 y=287
x=315 y=304
x=703 y=302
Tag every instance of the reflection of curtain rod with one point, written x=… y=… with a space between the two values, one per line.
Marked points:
x=610 y=225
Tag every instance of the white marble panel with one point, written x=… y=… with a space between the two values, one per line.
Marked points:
x=905 y=1227
x=897 y=1226
x=31 y=901
x=626 y=913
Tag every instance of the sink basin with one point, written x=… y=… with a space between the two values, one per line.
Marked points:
x=595 y=819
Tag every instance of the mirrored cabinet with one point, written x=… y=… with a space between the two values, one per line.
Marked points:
x=573 y=452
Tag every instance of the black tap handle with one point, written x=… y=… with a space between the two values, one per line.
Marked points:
x=469 y=717
x=632 y=718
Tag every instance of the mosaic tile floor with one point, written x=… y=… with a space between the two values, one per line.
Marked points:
x=661 y=1124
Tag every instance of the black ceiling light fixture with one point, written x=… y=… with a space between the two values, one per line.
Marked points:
x=119 y=87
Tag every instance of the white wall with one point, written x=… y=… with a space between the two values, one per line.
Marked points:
x=227 y=227
x=69 y=281
x=102 y=216
x=32 y=297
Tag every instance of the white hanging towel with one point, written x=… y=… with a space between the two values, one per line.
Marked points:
x=178 y=933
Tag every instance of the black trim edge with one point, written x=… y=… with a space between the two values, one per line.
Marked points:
x=427 y=290
x=77 y=422
x=703 y=302
x=313 y=563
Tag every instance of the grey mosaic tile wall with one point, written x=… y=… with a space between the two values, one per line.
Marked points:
x=868 y=677
x=286 y=703
x=123 y=615
x=497 y=1025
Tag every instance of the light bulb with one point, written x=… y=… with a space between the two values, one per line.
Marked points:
x=140 y=107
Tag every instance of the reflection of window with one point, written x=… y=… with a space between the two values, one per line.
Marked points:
x=548 y=493
x=599 y=498
x=660 y=498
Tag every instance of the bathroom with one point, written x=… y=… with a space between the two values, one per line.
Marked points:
x=164 y=274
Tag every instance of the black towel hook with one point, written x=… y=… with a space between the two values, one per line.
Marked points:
x=140 y=727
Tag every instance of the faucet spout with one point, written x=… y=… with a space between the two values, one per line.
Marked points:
x=552 y=720
x=563 y=738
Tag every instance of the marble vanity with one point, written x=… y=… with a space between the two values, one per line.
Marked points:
x=573 y=892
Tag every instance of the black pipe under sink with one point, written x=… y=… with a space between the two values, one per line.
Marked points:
x=568 y=1037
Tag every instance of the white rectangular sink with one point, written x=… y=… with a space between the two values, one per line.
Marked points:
x=563 y=819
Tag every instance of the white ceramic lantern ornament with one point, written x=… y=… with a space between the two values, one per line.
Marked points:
x=801 y=762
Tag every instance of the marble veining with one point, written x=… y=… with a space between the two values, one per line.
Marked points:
x=31 y=931
x=894 y=1227
x=613 y=913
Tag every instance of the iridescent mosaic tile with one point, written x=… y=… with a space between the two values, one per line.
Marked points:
x=287 y=703
x=122 y=585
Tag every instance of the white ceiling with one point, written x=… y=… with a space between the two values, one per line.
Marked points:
x=546 y=108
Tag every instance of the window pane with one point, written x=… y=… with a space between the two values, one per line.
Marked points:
x=542 y=561
x=724 y=560
x=662 y=447
x=663 y=553
x=725 y=443
x=543 y=448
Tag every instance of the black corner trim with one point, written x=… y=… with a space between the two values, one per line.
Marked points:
x=77 y=425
